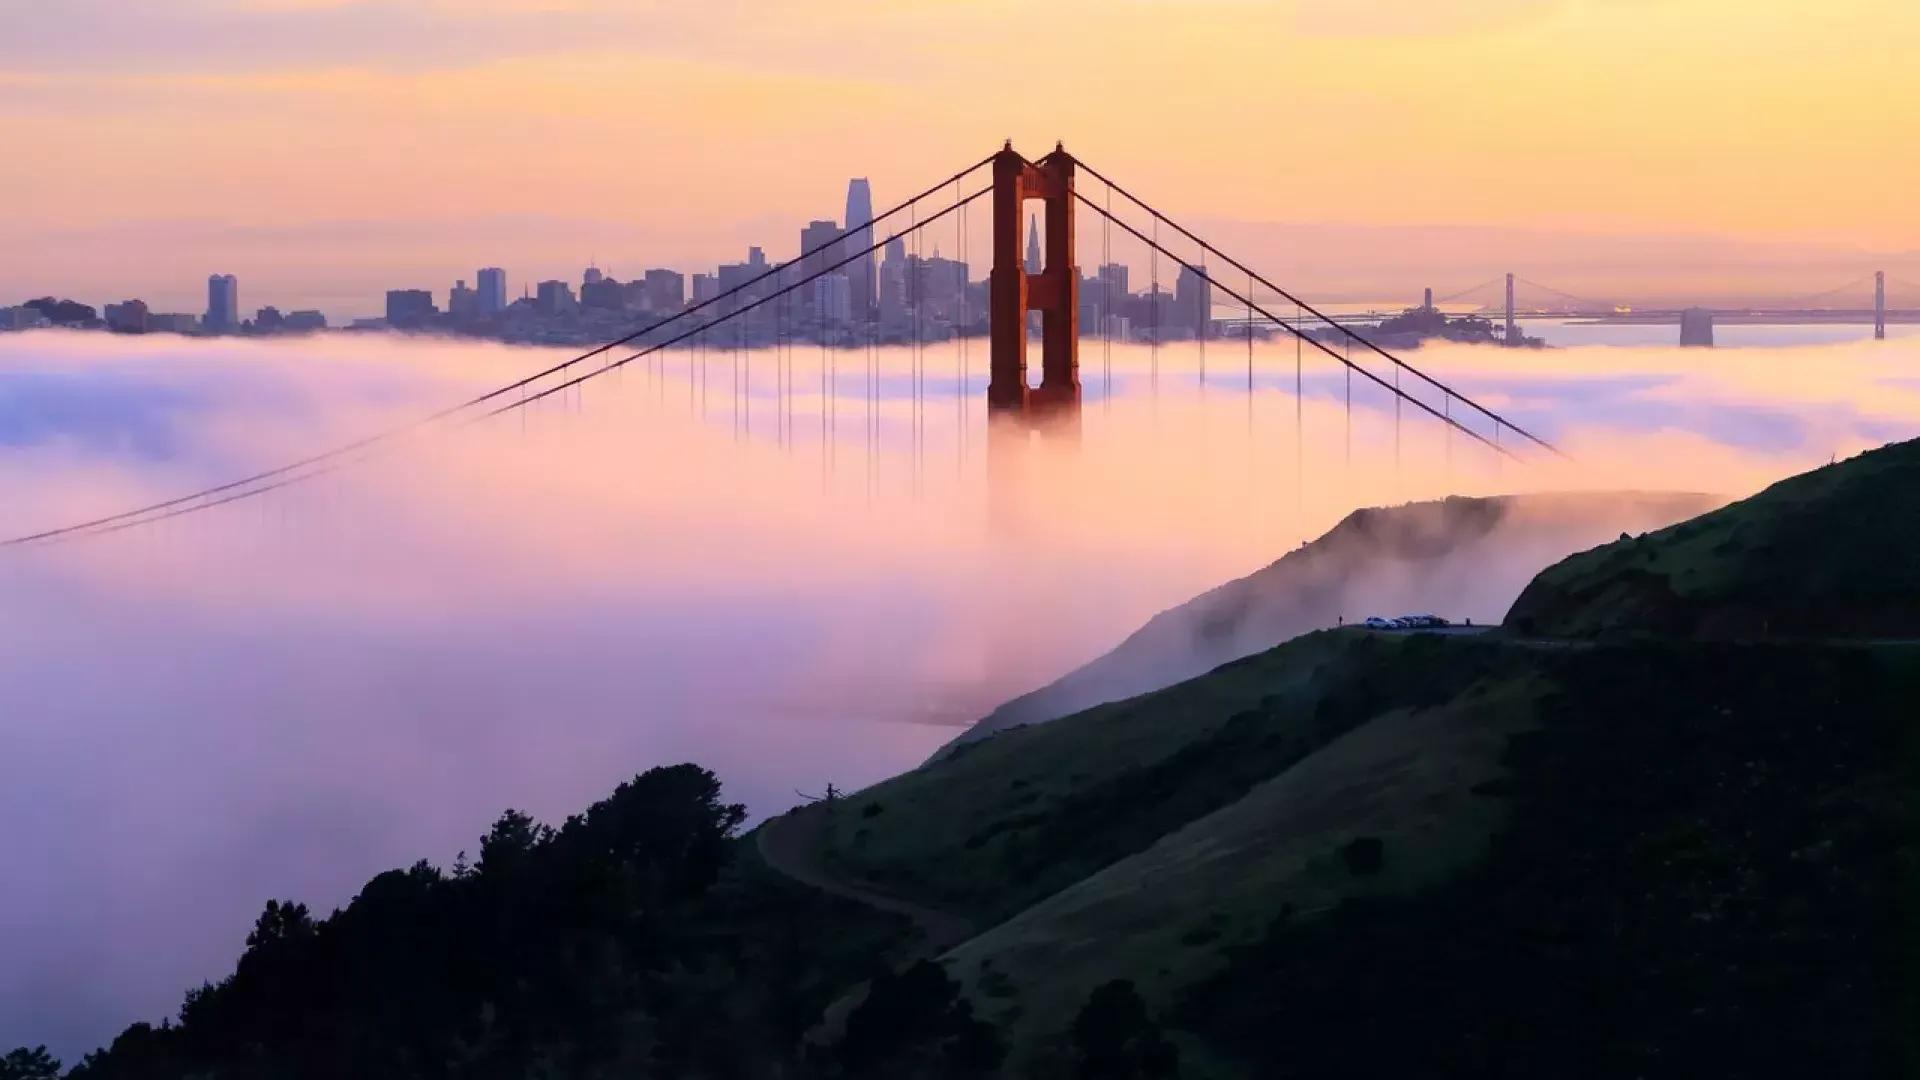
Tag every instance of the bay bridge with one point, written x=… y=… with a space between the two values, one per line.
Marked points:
x=1028 y=305
x=1878 y=300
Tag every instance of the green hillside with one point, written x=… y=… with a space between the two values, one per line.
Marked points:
x=1833 y=554
x=1754 y=803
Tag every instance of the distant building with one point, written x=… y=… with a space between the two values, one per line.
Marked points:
x=819 y=246
x=463 y=304
x=605 y=294
x=893 y=283
x=493 y=291
x=223 y=304
x=705 y=288
x=1696 y=328
x=1035 y=261
x=1152 y=313
x=268 y=320
x=664 y=292
x=863 y=273
x=409 y=308
x=23 y=318
x=1193 y=302
x=1114 y=277
x=833 y=300
x=936 y=287
x=303 y=322
x=172 y=323
x=555 y=298
x=733 y=279
x=129 y=317
x=593 y=276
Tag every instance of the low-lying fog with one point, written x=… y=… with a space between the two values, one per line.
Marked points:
x=284 y=696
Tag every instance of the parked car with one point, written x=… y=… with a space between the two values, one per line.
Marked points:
x=1375 y=622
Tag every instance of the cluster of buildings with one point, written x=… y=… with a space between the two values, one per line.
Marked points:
x=843 y=289
x=135 y=317
x=839 y=291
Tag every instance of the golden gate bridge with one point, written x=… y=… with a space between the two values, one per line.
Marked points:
x=1017 y=409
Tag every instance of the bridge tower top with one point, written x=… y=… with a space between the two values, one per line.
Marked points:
x=1054 y=291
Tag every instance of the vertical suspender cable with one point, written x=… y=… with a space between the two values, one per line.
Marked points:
x=1299 y=420
x=1106 y=310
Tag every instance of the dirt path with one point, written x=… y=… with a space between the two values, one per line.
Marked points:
x=791 y=844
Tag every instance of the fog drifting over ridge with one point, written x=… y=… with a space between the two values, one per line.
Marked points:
x=285 y=696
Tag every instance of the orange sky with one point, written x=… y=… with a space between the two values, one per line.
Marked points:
x=1756 y=119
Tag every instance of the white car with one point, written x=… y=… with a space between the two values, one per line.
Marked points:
x=1375 y=622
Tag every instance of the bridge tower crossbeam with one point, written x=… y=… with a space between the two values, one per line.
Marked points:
x=1054 y=292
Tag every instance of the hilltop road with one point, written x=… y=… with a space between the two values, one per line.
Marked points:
x=791 y=845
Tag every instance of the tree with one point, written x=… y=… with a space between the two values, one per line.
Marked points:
x=512 y=838
x=280 y=922
x=916 y=1020
x=1115 y=1039
x=25 y=1064
x=62 y=312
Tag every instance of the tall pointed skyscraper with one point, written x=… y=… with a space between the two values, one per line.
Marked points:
x=859 y=234
x=1034 y=262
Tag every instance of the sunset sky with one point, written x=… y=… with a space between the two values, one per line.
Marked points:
x=151 y=142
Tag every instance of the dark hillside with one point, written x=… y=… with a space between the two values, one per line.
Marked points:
x=1833 y=554
x=1710 y=874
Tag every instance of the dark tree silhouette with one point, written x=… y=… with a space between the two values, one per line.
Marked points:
x=915 y=1023
x=1115 y=1039
x=62 y=312
x=598 y=948
x=25 y=1064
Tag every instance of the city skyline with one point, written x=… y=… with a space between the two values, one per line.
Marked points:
x=1394 y=120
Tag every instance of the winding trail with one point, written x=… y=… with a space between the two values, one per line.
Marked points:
x=791 y=845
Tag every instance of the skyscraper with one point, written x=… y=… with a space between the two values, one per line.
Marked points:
x=493 y=291
x=223 y=304
x=1193 y=301
x=1034 y=262
x=819 y=246
x=860 y=273
x=833 y=300
x=893 y=283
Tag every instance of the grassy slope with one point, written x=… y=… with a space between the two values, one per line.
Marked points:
x=1710 y=872
x=948 y=833
x=1831 y=554
x=1139 y=839
x=1162 y=917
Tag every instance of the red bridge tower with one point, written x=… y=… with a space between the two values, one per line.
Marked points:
x=1054 y=292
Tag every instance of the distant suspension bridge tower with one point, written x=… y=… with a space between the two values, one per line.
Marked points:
x=1879 y=305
